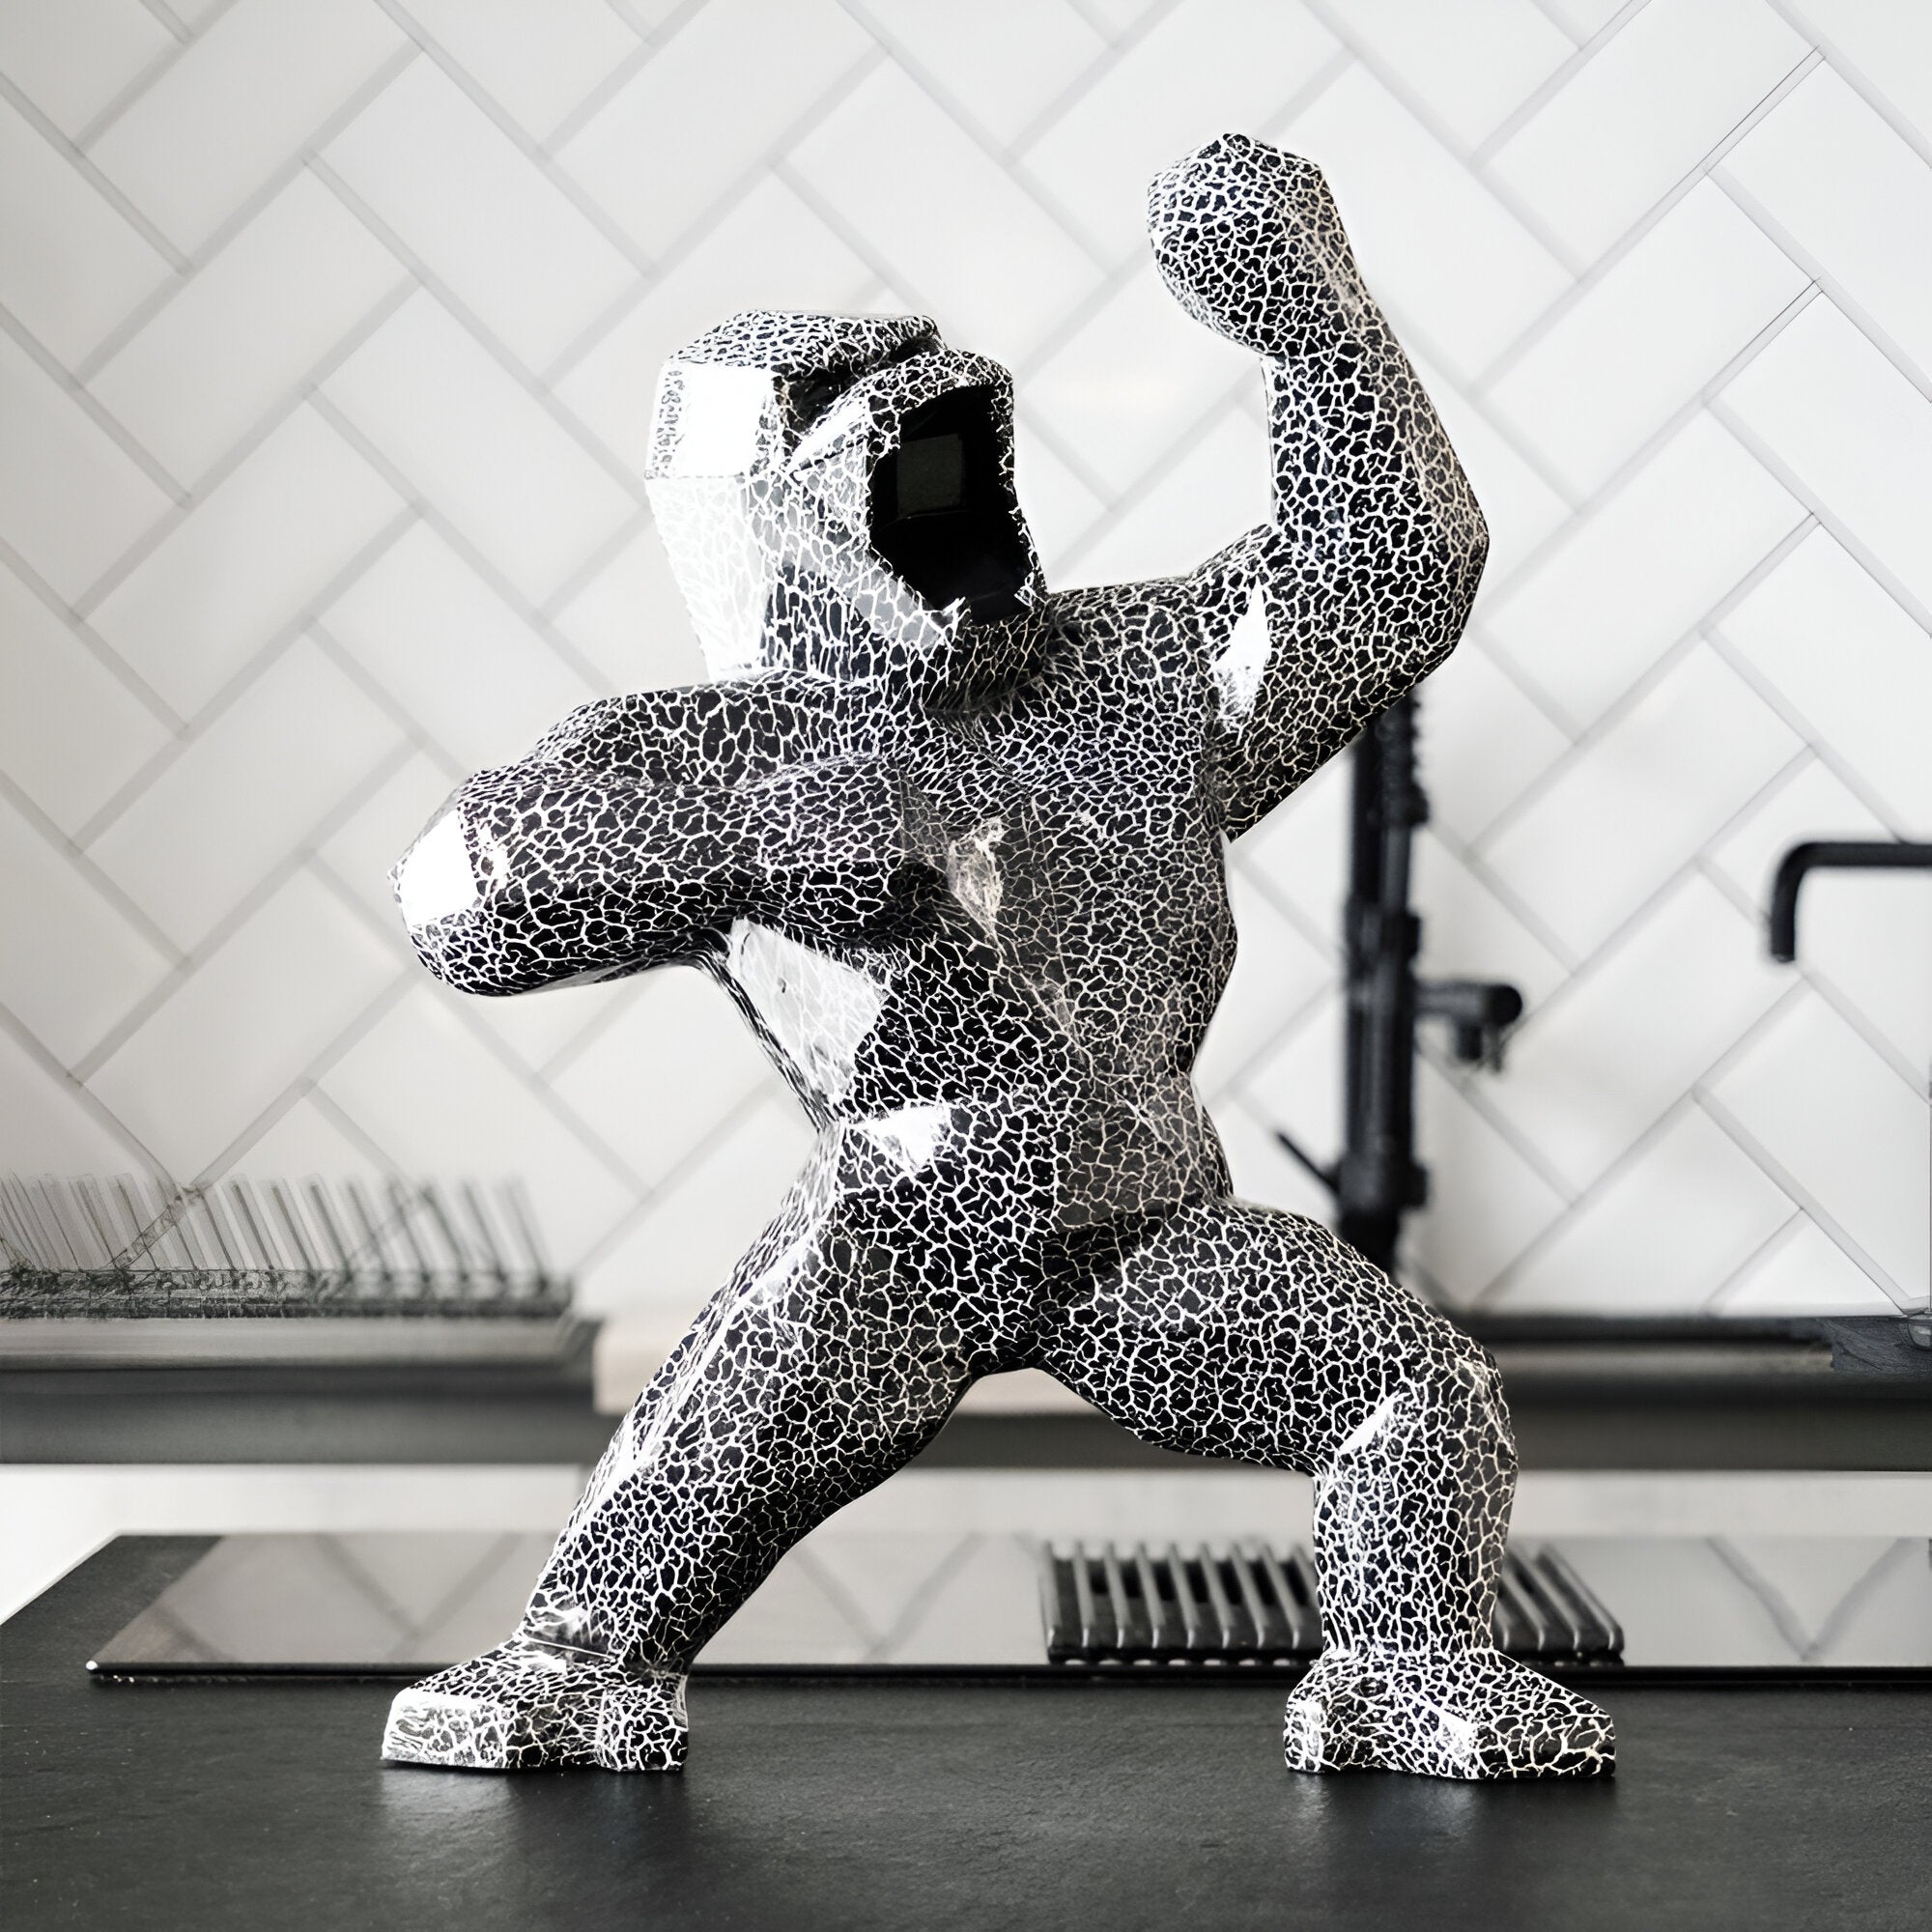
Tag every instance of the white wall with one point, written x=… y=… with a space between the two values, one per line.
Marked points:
x=328 y=334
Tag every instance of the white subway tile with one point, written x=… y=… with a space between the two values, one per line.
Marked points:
x=72 y=58
x=1867 y=936
x=666 y=126
x=306 y=1140
x=1118 y=16
x=1468 y=933
x=245 y=1024
x=1277 y=970
x=1850 y=192
x=1471 y=63
x=1483 y=741
x=1888 y=47
x=1207 y=66
x=479 y=446
x=246 y=561
x=539 y=63
x=481 y=217
x=1584 y=18
x=1806 y=1274
x=1296 y=1083
x=73 y=264
x=674 y=1065
x=1642 y=112
x=48 y=1126
x=1810 y=804
x=71 y=732
x=1132 y=379
x=955 y=229
x=246 y=793
x=1590 y=1071
x=1437 y=249
x=682 y=1249
x=969 y=53
x=246 y=327
x=70 y=499
x=440 y=1103
x=1852 y=665
x=1641 y=571
x=1690 y=1203
x=1301 y=847
x=542 y=1026
x=1263 y=1170
x=74 y=964
x=768 y=250
x=1520 y=504
x=1642 y=342
x=629 y=621
x=1632 y=804
x=1849 y=1132
x=240 y=103
x=363 y=845
x=479 y=680
x=1857 y=434
x=1487 y=1202
x=1061 y=508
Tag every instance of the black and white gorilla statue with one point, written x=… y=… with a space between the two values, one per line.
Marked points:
x=954 y=846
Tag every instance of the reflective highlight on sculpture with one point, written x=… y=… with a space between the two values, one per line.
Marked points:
x=956 y=848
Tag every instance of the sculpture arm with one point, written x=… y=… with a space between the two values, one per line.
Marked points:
x=542 y=872
x=1361 y=584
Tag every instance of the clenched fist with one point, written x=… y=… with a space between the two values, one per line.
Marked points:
x=1249 y=240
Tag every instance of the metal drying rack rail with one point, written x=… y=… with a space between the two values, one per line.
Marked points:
x=89 y=1249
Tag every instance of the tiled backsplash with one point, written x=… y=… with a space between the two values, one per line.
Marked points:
x=328 y=333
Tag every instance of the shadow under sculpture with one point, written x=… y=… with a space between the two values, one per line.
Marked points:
x=954 y=846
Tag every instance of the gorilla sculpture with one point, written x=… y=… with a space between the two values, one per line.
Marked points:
x=954 y=846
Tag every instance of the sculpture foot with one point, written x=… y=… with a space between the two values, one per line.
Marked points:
x=1466 y=1714
x=525 y=1705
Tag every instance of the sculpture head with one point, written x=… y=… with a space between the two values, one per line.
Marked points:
x=835 y=495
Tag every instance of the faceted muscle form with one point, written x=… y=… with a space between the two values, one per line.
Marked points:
x=954 y=846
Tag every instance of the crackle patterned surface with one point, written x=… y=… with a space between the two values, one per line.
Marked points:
x=954 y=846
x=328 y=331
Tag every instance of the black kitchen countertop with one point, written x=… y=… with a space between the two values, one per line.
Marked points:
x=900 y=1804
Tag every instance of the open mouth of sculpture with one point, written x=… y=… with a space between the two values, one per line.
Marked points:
x=943 y=515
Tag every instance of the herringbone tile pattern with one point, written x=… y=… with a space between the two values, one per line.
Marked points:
x=328 y=330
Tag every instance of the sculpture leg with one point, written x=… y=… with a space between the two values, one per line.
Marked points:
x=1232 y=1330
x=834 y=1355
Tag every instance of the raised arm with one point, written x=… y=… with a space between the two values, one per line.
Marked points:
x=638 y=829
x=1363 y=581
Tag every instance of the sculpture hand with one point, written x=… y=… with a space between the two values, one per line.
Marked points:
x=1249 y=240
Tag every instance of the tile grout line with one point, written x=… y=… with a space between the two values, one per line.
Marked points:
x=1632 y=239
x=1827 y=284
x=90 y=640
x=1840 y=533
x=29 y=1043
x=23 y=105
x=433 y=517
x=188 y=39
x=275 y=417
x=103 y=883
x=236 y=686
x=1782 y=1177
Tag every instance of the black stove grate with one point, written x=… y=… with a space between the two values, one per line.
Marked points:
x=1250 y=1604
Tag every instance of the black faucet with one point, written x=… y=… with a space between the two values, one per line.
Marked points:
x=1378 y=1178
x=1844 y=854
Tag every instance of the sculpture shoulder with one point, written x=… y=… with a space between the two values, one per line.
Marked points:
x=720 y=735
x=1174 y=627
x=1151 y=626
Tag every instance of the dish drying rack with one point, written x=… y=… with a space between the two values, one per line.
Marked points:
x=84 y=1248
